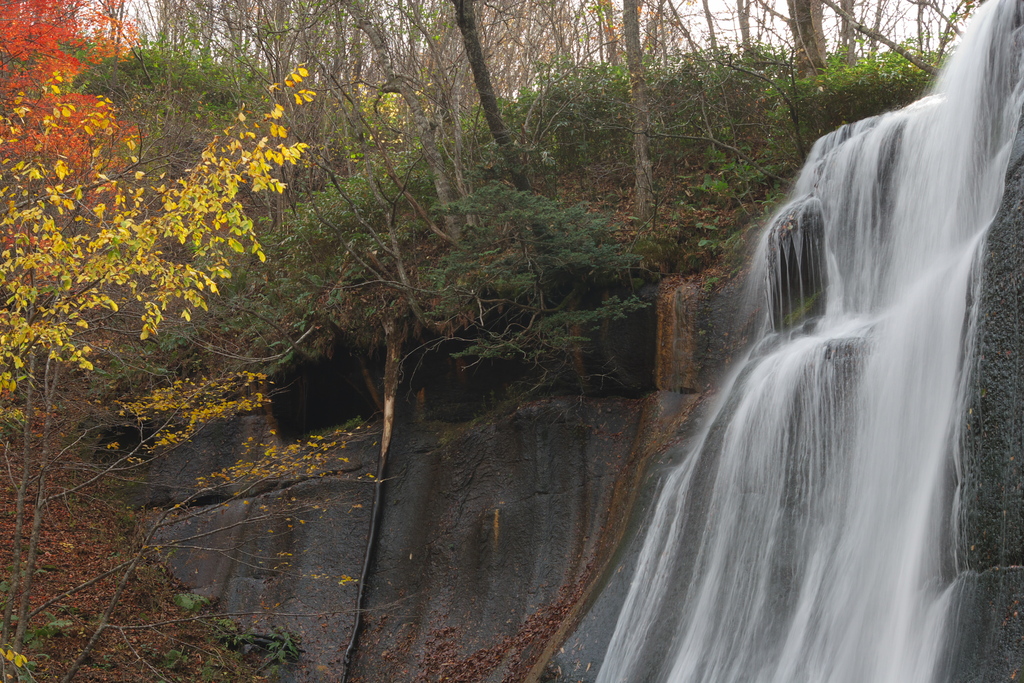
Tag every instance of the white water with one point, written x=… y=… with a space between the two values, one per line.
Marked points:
x=808 y=536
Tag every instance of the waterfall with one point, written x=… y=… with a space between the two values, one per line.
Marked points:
x=808 y=536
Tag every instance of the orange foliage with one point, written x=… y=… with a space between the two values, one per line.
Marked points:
x=41 y=37
x=44 y=43
x=77 y=135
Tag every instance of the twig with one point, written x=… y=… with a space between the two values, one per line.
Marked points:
x=875 y=35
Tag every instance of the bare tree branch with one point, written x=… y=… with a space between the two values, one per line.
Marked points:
x=875 y=35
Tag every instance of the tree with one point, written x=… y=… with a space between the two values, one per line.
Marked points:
x=642 y=168
x=92 y=248
x=743 y=19
x=402 y=83
x=847 y=36
x=877 y=36
x=465 y=17
x=46 y=36
x=808 y=36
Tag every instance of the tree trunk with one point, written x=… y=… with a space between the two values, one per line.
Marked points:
x=395 y=335
x=923 y=34
x=711 y=25
x=876 y=27
x=808 y=36
x=888 y=42
x=743 y=19
x=41 y=460
x=846 y=32
x=465 y=17
x=17 y=542
x=644 y=186
x=400 y=83
x=609 y=41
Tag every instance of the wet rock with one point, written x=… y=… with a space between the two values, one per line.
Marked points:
x=494 y=540
x=994 y=427
x=491 y=541
x=677 y=367
x=619 y=360
x=796 y=265
x=172 y=478
x=989 y=625
x=988 y=633
x=496 y=534
x=283 y=561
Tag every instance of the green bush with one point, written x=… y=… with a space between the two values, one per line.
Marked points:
x=158 y=80
x=522 y=273
x=843 y=94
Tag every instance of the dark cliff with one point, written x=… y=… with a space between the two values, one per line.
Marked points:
x=988 y=635
x=500 y=523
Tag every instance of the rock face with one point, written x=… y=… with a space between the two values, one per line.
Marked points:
x=490 y=541
x=678 y=361
x=796 y=265
x=172 y=480
x=493 y=540
x=501 y=557
x=496 y=532
x=990 y=629
x=287 y=553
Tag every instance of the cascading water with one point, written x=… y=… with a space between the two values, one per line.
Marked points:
x=808 y=535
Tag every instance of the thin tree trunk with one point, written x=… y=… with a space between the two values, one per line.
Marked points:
x=395 y=335
x=51 y=375
x=21 y=500
x=465 y=17
x=29 y=567
x=847 y=35
x=711 y=25
x=895 y=47
x=400 y=83
x=656 y=33
x=115 y=598
x=923 y=36
x=104 y=621
x=877 y=26
x=743 y=18
x=644 y=186
x=610 y=41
